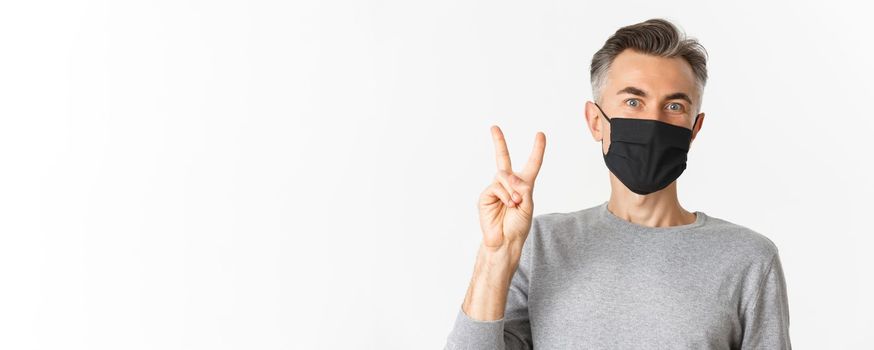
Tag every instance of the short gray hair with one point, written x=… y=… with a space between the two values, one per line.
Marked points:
x=656 y=37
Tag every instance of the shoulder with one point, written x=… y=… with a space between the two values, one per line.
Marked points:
x=741 y=240
x=563 y=221
x=561 y=228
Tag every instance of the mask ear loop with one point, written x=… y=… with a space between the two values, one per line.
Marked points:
x=608 y=120
x=602 y=112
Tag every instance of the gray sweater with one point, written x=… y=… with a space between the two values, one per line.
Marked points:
x=591 y=280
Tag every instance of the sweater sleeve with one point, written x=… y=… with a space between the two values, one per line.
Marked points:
x=513 y=331
x=766 y=319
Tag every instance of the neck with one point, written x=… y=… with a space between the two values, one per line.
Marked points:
x=657 y=209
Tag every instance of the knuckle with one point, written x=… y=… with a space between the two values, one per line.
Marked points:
x=502 y=190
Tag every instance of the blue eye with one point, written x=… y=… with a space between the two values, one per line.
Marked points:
x=633 y=102
x=679 y=107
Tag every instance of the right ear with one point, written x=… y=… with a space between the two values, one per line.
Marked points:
x=593 y=121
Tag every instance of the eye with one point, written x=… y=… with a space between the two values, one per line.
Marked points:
x=632 y=102
x=676 y=107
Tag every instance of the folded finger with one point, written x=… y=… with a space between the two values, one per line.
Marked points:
x=498 y=190
x=512 y=184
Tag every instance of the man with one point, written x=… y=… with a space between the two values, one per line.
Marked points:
x=638 y=271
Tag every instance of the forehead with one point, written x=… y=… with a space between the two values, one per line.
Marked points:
x=656 y=75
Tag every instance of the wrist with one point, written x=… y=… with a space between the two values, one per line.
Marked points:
x=497 y=265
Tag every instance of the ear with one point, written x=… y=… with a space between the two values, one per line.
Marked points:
x=593 y=121
x=696 y=128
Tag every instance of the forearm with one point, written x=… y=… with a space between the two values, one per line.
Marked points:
x=486 y=296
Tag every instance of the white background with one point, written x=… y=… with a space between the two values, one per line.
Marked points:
x=268 y=175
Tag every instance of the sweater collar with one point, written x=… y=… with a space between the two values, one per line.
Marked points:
x=626 y=226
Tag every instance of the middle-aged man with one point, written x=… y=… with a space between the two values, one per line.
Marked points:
x=638 y=271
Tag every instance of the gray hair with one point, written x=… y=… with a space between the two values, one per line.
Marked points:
x=654 y=37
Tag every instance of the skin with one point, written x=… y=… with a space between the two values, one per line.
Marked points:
x=506 y=206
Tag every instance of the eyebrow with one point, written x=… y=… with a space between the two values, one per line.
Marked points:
x=636 y=91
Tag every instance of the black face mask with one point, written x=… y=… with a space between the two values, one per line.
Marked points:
x=646 y=155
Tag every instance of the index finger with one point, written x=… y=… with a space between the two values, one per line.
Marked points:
x=502 y=156
x=536 y=158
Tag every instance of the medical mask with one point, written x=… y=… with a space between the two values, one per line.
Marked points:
x=646 y=155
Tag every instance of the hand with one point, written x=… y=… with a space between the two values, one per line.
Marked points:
x=506 y=206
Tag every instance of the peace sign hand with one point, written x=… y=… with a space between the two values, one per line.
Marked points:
x=506 y=206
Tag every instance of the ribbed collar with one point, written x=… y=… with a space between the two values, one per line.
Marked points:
x=615 y=222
